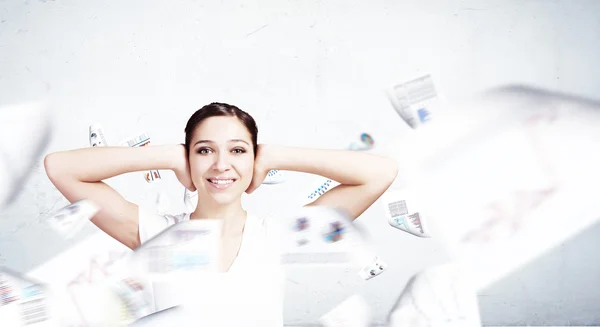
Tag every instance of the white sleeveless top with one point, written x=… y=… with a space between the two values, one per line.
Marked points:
x=249 y=294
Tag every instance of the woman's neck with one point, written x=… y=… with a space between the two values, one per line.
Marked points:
x=218 y=212
x=232 y=214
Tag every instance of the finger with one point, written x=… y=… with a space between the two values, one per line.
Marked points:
x=191 y=186
x=251 y=188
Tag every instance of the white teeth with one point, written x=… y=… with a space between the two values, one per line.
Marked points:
x=221 y=181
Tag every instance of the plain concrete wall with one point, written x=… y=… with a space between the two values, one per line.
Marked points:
x=312 y=74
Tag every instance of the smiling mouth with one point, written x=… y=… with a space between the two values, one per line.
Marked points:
x=220 y=181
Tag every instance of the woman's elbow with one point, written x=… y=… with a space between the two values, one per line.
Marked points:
x=53 y=166
x=385 y=173
x=389 y=170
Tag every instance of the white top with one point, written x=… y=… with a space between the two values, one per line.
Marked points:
x=249 y=294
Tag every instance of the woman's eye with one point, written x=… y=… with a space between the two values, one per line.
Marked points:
x=203 y=151
x=238 y=151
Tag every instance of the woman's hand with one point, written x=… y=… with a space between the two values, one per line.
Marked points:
x=181 y=168
x=261 y=168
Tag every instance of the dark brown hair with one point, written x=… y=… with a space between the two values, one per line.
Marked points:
x=216 y=109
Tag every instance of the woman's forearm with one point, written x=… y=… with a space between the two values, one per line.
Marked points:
x=97 y=164
x=345 y=167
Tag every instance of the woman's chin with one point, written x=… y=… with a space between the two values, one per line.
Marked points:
x=226 y=198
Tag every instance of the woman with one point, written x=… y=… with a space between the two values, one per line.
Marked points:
x=220 y=159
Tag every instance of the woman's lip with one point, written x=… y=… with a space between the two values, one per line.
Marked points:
x=221 y=186
x=221 y=179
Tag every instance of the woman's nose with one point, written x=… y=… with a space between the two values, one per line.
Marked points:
x=222 y=163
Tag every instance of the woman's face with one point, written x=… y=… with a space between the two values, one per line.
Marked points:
x=221 y=159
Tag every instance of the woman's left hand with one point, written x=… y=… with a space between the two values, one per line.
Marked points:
x=261 y=168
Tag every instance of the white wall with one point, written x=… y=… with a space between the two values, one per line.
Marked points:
x=311 y=73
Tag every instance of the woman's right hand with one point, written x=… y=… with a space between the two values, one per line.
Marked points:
x=182 y=169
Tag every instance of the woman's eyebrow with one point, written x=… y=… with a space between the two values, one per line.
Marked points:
x=210 y=141
x=203 y=141
x=238 y=140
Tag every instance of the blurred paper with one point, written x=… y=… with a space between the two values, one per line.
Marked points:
x=353 y=312
x=274 y=177
x=403 y=211
x=253 y=297
x=135 y=297
x=321 y=235
x=24 y=302
x=82 y=295
x=441 y=296
x=321 y=188
x=415 y=101
x=366 y=143
x=96 y=136
x=502 y=170
x=93 y=297
x=96 y=303
x=375 y=268
x=183 y=250
x=25 y=133
x=139 y=141
x=69 y=220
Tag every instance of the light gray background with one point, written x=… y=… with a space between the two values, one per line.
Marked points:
x=312 y=74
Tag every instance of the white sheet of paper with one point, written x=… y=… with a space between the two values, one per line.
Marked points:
x=96 y=136
x=25 y=133
x=415 y=101
x=321 y=187
x=183 y=250
x=91 y=263
x=274 y=177
x=25 y=302
x=441 y=296
x=403 y=211
x=139 y=141
x=511 y=175
x=321 y=235
x=374 y=269
x=353 y=312
x=71 y=219
x=245 y=298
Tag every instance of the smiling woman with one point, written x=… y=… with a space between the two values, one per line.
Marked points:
x=221 y=142
x=221 y=159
